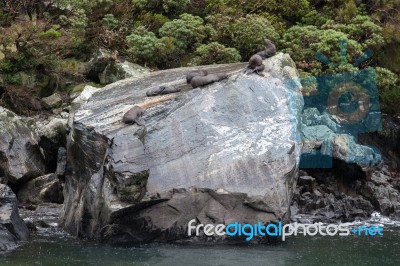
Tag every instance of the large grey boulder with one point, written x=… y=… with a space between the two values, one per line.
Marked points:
x=20 y=156
x=226 y=152
x=12 y=227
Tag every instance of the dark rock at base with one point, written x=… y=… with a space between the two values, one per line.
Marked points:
x=12 y=227
x=337 y=196
x=166 y=220
x=42 y=189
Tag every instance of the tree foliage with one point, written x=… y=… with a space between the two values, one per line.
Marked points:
x=47 y=37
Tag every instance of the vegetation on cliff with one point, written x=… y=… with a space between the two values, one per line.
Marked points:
x=44 y=44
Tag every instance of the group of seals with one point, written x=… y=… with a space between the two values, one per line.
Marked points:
x=256 y=61
x=161 y=90
x=133 y=116
x=199 y=78
x=195 y=73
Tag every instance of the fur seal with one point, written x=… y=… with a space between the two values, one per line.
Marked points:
x=162 y=90
x=256 y=61
x=133 y=115
x=198 y=81
x=270 y=49
x=195 y=73
x=255 y=65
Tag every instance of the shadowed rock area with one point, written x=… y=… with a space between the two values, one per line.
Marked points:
x=12 y=227
x=220 y=153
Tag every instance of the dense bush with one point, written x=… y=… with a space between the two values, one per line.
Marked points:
x=52 y=39
x=215 y=53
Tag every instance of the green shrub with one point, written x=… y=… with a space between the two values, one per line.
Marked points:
x=390 y=100
x=189 y=31
x=142 y=45
x=215 y=53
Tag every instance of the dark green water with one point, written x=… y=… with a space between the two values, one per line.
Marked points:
x=51 y=249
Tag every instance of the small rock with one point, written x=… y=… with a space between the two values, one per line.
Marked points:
x=53 y=101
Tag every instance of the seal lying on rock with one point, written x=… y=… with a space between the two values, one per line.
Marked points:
x=133 y=115
x=256 y=61
x=269 y=51
x=161 y=90
x=198 y=81
x=195 y=73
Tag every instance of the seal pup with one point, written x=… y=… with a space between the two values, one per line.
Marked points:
x=195 y=73
x=162 y=90
x=198 y=81
x=270 y=49
x=133 y=115
x=255 y=65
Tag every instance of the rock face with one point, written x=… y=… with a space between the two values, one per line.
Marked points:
x=345 y=194
x=51 y=132
x=106 y=68
x=41 y=189
x=388 y=139
x=12 y=227
x=20 y=156
x=225 y=152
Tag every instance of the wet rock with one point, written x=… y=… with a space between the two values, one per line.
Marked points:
x=21 y=158
x=237 y=139
x=41 y=189
x=12 y=228
x=106 y=67
x=44 y=220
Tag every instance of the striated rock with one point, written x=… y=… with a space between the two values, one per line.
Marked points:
x=41 y=189
x=12 y=227
x=106 y=68
x=20 y=156
x=228 y=151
